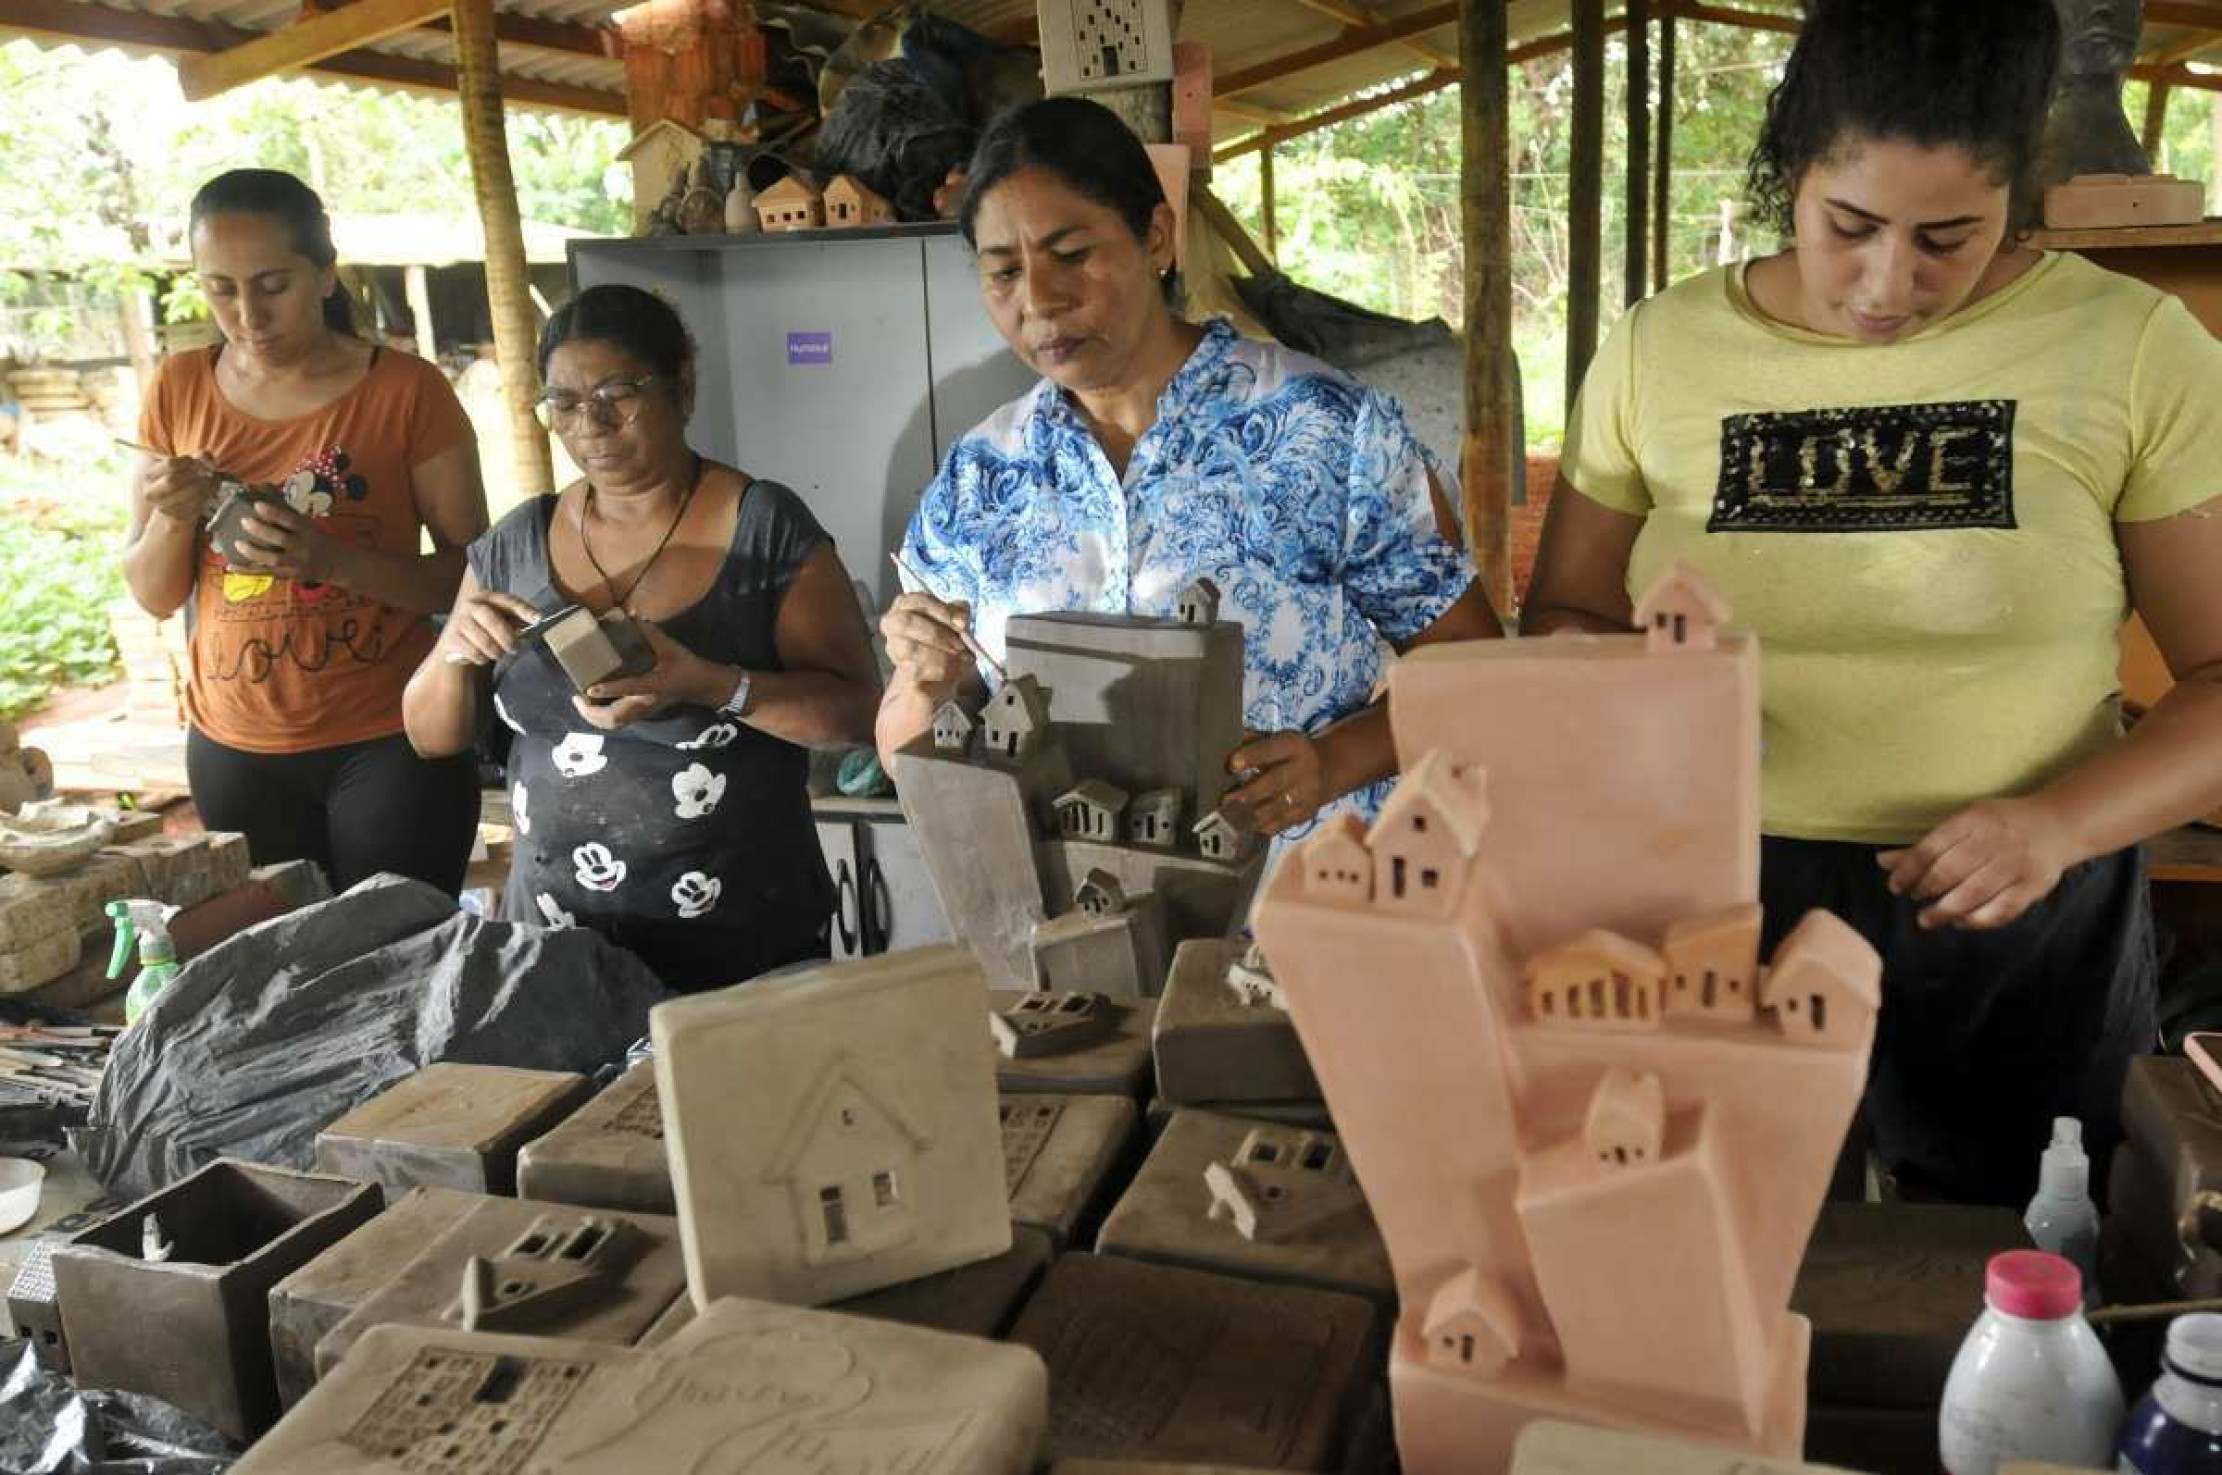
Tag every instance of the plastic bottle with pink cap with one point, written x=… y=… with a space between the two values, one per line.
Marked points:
x=2031 y=1382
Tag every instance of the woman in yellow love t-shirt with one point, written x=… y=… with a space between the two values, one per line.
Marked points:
x=1933 y=469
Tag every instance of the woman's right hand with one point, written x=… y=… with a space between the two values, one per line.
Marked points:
x=483 y=628
x=181 y=488
x=923 y=640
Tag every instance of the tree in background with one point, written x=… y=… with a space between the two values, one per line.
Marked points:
x=1368 y=210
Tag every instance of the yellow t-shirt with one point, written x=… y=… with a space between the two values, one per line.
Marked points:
x=1921 y=532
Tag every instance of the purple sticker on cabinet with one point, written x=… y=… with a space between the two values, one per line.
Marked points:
x=810 y=348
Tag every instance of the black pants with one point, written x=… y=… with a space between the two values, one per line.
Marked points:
x=355 y=810
x=1984 y=1037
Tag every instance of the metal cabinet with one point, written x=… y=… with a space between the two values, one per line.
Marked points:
x=884 y=896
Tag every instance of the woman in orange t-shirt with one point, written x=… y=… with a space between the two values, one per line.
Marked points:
x=300 y=645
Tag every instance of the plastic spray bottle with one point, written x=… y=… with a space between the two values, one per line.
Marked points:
x=2061 y=1218
x=146 y=924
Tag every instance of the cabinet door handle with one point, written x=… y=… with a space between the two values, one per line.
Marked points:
x=879 y=906
x=845 y=906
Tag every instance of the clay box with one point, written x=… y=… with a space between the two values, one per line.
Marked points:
x=835 y=1130
x=592 y=648
x=1219 y=1038
x=1058 y=1151
x=194 y=1329
x=1116 y=1064
x=306 y=1305
x=1148 y=1362
x=1252 y=1199
x=747 y=1387
x=1891 y=1290
x=449 y=1126
x=591 y=1275
x=609 y=1153
x=977 y=1300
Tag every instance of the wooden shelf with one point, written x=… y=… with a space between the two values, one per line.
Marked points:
x=2206 y=233
x=2192 y=853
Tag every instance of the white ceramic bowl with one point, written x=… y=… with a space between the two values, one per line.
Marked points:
x=20 y=1179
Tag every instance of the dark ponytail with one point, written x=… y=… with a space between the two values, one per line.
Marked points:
x=277 y=195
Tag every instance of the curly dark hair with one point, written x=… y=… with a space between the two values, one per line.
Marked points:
x=1976 y=73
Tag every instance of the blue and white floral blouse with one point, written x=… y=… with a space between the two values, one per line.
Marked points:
x=1301 y=493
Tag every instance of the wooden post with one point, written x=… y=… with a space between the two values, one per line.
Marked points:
x=1662 y=188
x=510 y=304
x=137 y=305
x=1485 y=185
x=420 y=312
x=1584 y=192
x=1636 y=269
x=2156 y=120
x=1266 y=208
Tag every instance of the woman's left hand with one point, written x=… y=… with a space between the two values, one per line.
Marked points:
x=679 y=675
x=1985 y=866
x=292 y=545
x=1285 y=779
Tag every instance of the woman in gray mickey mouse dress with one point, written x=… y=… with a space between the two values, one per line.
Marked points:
x=666 y=811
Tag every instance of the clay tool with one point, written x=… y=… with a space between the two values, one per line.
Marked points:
x=978 y=650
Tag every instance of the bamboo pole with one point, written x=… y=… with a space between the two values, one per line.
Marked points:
x=1636 y=269
x=1266 y=202
x=1584 y=192
x=509 y=300
x=1662 y=188
x=1485 y=183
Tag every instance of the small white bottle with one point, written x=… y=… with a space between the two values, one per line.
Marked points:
x=2031 y=1382
x=2062 y=1218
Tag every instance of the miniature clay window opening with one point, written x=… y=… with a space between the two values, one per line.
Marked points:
x=883 y=1189
x=1265 y=1152
x=848 y=1116
x=502 y=1380
x=1820 y=1012
x=1074 y=1004
x=1419 y=824
x=1430 y=877
x=1317 y=1156
x=583 y=1243
x=836 y=1215
x=1466 y=1347
x=1706 y=995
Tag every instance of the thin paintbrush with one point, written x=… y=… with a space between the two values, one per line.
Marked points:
x=970 y=644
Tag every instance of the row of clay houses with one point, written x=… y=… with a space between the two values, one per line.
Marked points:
x=1095 y=810
x=1416 y=855
x=1822 y=985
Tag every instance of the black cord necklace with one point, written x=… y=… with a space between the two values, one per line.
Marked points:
x=625 y=601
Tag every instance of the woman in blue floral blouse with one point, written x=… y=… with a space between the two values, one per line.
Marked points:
x=1154 y=451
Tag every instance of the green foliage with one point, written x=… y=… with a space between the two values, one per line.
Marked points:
x=59 y=572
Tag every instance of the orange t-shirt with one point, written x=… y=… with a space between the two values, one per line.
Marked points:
x=280 y=666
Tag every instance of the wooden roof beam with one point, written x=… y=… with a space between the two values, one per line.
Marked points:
x=1352 y=15
x=182 y=36
x=1354 y=42
x=305 y=41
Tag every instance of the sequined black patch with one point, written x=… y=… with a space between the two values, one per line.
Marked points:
x=1882 y=468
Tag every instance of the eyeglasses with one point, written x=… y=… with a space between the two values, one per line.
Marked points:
x=613 y=406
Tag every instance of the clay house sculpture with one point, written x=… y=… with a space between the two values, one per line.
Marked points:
x=1626 y=1122
x=1198 y=603
x=792 y=204
x=1153 y=819
x=1599 y=979
x=1281 y=1183
x=1099 y=894
x=1052 y=1024
x=661 y=155
x=1712 y=963
x=559 y=1261
x=1681 y=611
x=953 y=727
x=1015 y=719
x=1250 y=979
x=1091 y=810
x=1427 y=834
x=851 y=203
x=1337 y=865
x=833 y=1131
x=1471 y=1325
x=1825 y=985
x=1225 y=835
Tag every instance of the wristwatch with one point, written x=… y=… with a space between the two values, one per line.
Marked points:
x=736 y=705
